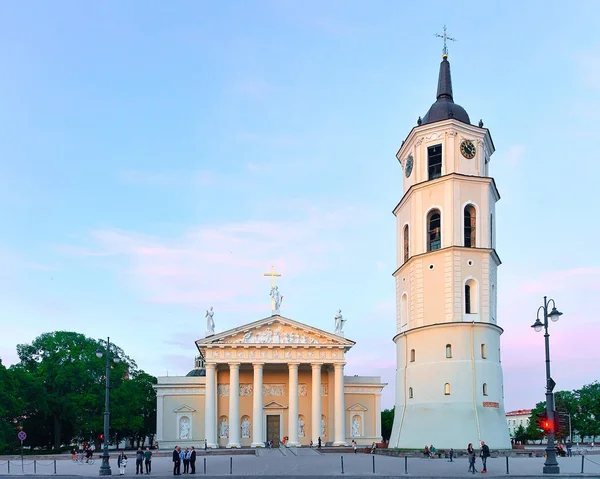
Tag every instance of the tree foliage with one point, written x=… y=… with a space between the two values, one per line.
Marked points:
x=387 y=422
x=57 y=392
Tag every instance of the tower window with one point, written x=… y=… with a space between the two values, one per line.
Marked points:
x=483 y=351
x=410 y=393
x=448 y=350
x=467 y=299
x=485 y=389
x=447 y=389
x=469 y=228
x=434 y=161
x=412 y=355
x=434 y=233
x=406 y=244
x=471 y=297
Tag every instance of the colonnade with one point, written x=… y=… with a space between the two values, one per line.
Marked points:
x=258 y=433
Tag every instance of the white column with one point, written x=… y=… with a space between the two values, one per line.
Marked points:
x=340 y=407
x=258 y=439
x=316 y=403
x=210 y=406
x=378 y=415
x=234 y=405
x=293 y=409
x=159 y=415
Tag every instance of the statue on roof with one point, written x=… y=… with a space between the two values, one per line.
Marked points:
x=277 y=298
x=339 y=323
x=210 y=323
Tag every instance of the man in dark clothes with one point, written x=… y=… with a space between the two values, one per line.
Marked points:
x=193 y=461
x=139 y=461
x=319 y=443
x=485 y=453
x=176 y=462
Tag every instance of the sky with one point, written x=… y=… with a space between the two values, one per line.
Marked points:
x=158 y=158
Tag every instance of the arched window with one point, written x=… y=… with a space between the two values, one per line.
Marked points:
x=406 y=244
x=469 y=227
x=485 y=391
x=412 y=355
x=410 y=393
x=447 y=389
x=483 y=351
x=471 y=297
x=448 y=350
x=434 y=232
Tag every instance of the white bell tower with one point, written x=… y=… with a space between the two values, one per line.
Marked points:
x=449 y=388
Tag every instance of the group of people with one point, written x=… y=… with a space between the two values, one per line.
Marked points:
x=484 y=453
x=84 y=451
x=188 y=457
x=142 y=458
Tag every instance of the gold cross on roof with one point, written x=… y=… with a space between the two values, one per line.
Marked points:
x=272 y=274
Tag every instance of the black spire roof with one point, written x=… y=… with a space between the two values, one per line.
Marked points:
x=444 y=108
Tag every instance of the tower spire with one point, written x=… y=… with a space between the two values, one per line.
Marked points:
x=445 y=37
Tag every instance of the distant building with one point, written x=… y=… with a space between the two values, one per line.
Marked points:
x=517 y=418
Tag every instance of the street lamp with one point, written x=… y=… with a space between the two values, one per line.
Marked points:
x=105 y=466
x=551 y=464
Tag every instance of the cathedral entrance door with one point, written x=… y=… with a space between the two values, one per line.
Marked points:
x=273 y=429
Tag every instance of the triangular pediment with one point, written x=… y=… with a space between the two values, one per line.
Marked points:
x=184 y=408
x=274 y=405
x=357 y=407
x=275 y=330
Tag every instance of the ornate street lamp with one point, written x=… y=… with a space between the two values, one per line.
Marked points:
x=551 y=464
x=105 y=466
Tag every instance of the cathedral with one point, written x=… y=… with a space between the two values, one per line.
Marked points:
x=449 y=373
x=271 y=380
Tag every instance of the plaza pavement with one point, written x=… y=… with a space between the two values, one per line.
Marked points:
x=308 y=462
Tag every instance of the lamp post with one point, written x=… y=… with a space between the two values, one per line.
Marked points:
x=105 y=466
x=551 y=464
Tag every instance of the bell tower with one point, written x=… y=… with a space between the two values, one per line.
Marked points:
x=449 y=388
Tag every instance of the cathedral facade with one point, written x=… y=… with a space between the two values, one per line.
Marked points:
x=449 y=388
x=274 y=379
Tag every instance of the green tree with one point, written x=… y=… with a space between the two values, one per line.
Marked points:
x=387 y=422
x=566 y=403
x=533 y=432
x=521 y=435
x=587 y=415
x=8 y=409
x=73 y=381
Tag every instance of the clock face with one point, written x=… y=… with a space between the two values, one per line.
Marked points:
x=409 y=166
x=467 y=148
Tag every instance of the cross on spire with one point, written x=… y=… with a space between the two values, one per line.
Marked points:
x=445 y=37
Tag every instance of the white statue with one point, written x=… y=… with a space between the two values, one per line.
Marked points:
x=184 y=428
x=223 y=428
x=322 y=426
x=300 y=426
x=355 y=427
x=245 y=427
x=277 y=299
x=210 y=323
x=339 y=323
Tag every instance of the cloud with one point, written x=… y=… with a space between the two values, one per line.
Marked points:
x=220 y=263
x=576 y=279
x=166 y=179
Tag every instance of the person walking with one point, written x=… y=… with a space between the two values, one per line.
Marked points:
x=471 y=457
x=176 y=461
x=319 y=443
x=148 y=460
x=485 y=453
x=186 y=461
x=205 y=445
x=121 y=463
x=193 y=460
x=569 y=448
x=139 y=461
x=451 y=454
